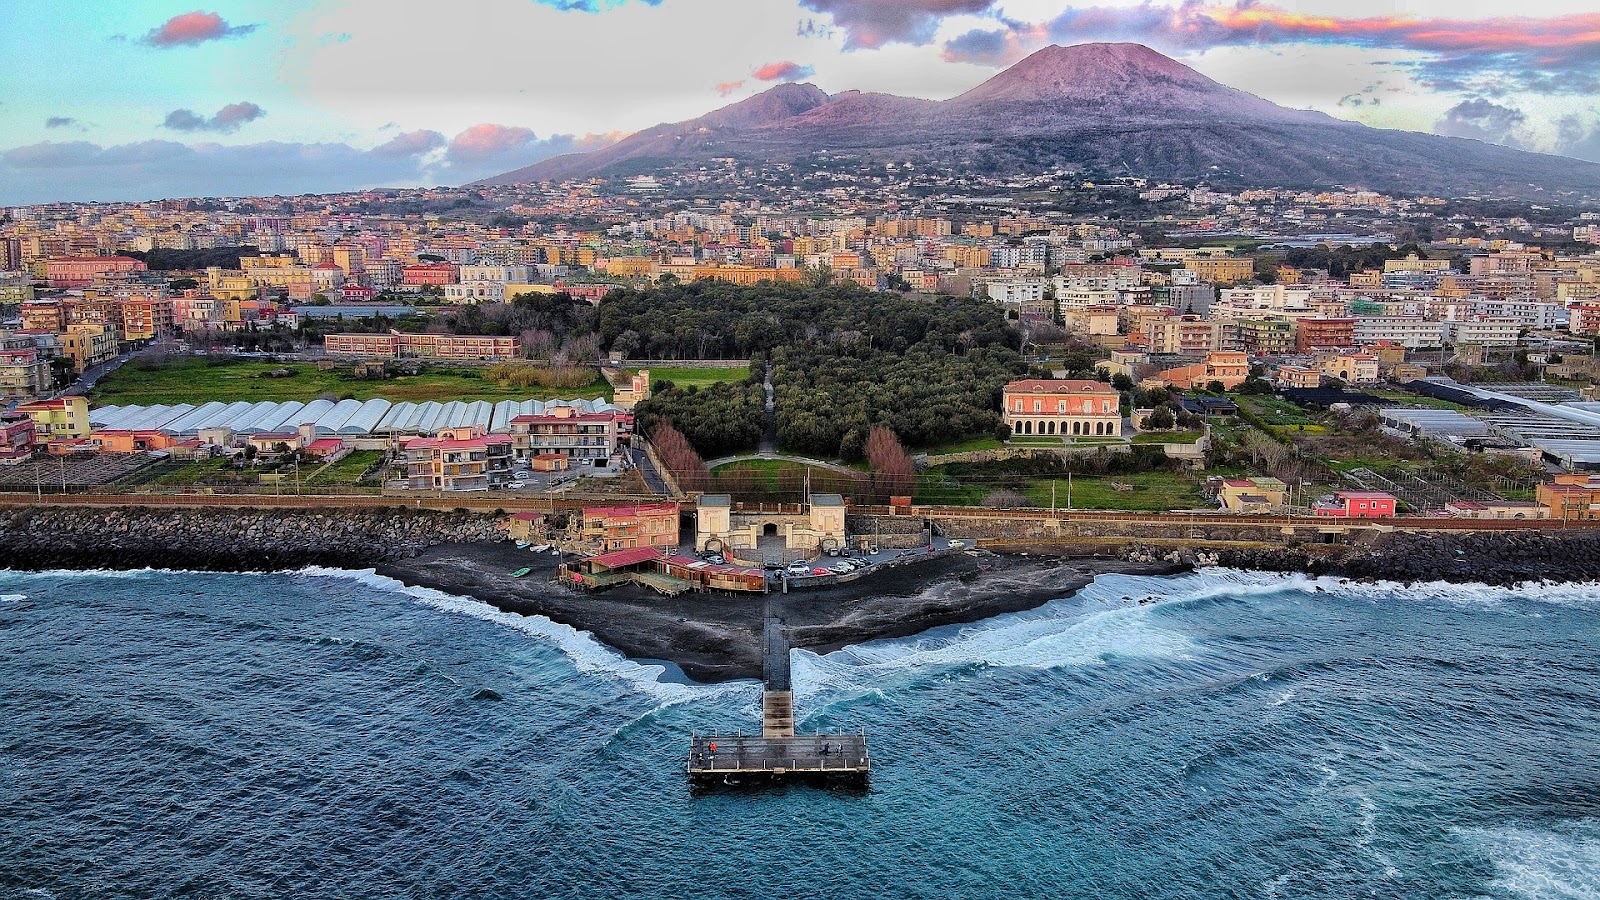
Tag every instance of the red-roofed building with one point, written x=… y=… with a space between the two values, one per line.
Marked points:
x=581 y=437
x=1355 y=505
x=625 y=527
x=17 y=440
x=430 y=273
x=458 y=459
x=81 y=271
x=1063 y=407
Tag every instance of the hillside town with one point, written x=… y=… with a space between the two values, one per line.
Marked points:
x=1223 y=299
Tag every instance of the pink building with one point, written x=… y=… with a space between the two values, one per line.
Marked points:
x=430 y=273
x=16 y=437
x=1356 y=505
x=81 y=271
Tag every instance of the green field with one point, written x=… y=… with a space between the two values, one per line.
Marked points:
x=968 y=446
x=196 y=380
x=704 y=377
x=1152 y=492
x=346 y=471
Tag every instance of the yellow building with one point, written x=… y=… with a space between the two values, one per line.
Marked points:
x=745 y=275
x=64 y=417
x=89 y=345
x=1221 y=269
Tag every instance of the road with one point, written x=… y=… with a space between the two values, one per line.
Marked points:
x=647 y=470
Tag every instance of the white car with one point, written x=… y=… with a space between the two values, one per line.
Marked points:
x=517 y=485
x=799 y=567
x=842 y=568
x=957 y=545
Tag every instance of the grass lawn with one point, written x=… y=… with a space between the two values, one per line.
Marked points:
x=703 y=377
x=197 y=380
x=969 y=446
x=1167 y=437
x=1273 y=411
x=767 y=475
x=1152 y=491
x=1406 y=398
x=346 y=471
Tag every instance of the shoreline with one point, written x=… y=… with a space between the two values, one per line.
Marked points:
x=713 y=637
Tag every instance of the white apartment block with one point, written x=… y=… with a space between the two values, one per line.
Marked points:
x=1526 y=313
x=1016 y=290
x=1485 y=331
x=1406 y=331
x=475 y=292
x=1271 y=299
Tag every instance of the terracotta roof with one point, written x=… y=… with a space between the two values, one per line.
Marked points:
x=619 y=558
x=1059 y=386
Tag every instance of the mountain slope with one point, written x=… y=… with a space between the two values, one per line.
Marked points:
x=1122 y=108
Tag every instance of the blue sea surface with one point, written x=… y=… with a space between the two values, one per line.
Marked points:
x=332 y=734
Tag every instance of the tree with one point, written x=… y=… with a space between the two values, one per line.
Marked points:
x=1160 y=420
x=1215 y=387
x=893 y=472
x=1122 y=381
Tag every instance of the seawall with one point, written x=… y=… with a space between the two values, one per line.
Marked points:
x=228 y=539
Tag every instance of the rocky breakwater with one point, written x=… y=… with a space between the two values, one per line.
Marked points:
x=1497 y=558
x=228 y=539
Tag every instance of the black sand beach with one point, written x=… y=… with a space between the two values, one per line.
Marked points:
x=716 y=637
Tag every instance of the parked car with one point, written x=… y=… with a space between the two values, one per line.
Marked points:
x=846 y=553
x=833 y=551
x=842 y=568
x=958 y=545
x=911 y=551
x=517 y=485
x=873 y=550
x=820 y=571
x=799 y=567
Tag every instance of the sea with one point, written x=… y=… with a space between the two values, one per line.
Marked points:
x=327 y=733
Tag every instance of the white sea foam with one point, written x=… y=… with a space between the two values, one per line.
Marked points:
x=1560 y=863
x=586 y=654
x=13 y=598
x=1055 y=636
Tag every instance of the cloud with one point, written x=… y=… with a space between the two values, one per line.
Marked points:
x=194 y=28
x=1576 y=139
x=1551 y=54
x=724 y=88
x=869 y=24
x=60 y=122
x=411 y=143
x=489 y=149
x=590 y=6
x=226 y=121
x=782 y=71
x=1481 y=120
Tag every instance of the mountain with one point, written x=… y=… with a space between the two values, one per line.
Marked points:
x=1120 y=108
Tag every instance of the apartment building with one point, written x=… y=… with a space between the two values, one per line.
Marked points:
x=1351 y=368
x=1405 y=331
x=1318 y=334
x=89 y=345
x=607 y=528
x=81 y=271
x=458 y=459
x=580 y=437
x=1486 y=331
x=24 y=373
x=63 y=417
x=1266 y=337
x=1221 y=269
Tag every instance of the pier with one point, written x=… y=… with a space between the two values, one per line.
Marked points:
x=777 y=753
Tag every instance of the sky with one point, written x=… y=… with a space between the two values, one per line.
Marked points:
x=123 y=99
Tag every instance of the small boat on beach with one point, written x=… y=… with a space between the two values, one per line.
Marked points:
x=538 y=548
x=522 y=571
x=522 y=545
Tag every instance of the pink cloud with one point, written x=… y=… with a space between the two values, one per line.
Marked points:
x=192 y=28
x=1553 y=54
x=872 y=23
x=727 y=87
x=781 y=71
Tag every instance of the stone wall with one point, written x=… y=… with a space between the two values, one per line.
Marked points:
x=229 y=539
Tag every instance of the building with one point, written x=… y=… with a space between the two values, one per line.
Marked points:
x=397 y=345
x=17 y=441
x=1252 y=495
x=1406 y=331
x=1571 y=497
x=1324 y=334
x=1221 y=269
x=81 y=271
x=1355 y=505
x=563 y=430
x=458 y=459
x=1486 y=331
x=145 y=316
x=89 y=345
x=1297 y=377
x=24 y=372
x=430 y=274
x=1266 y=337
x=1351 y=368
x=63 y=417
x=1188 y=335
x=1230 y=367
x=636 y=391
x=608 y=528
x=1062 y=407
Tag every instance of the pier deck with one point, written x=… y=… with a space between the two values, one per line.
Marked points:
x=743 y=754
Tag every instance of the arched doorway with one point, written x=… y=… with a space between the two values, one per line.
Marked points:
x=769 y=529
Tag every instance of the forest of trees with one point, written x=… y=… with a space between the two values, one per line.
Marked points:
x=180 y=260
x=718 y=420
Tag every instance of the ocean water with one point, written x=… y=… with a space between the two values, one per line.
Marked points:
x=331 y=734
